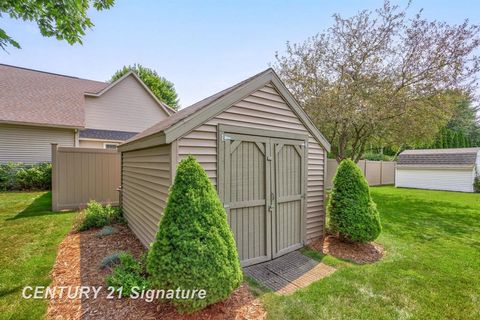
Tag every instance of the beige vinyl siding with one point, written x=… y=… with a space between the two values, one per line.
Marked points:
x=95 y=143
x=315 y=189
x=145 y=181
x=31 y=144
x=125 y=107
x=263 y=109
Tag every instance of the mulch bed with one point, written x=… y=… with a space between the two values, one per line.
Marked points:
x=78 y=264
x=360 y=253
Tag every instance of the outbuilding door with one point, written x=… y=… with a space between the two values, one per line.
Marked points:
x=261 y=182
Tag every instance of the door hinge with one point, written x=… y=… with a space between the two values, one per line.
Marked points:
x=225 y=137
x=269 y=158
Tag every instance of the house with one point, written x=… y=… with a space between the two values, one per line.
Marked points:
x=438 y=169
x=260 y=149
x=39 y=108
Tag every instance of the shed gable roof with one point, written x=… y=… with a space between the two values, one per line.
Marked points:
x=439 y=157
x=191 y=117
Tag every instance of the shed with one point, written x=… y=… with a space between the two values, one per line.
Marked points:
x=261 y=151
x=438 y=169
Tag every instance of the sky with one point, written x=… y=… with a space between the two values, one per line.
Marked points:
x=201 y=46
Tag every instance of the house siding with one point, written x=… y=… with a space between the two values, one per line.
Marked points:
x=263 y=109
x=146 y=179
x=126 y=107
x=435 y=179
x=95 y=143
x=30 y=144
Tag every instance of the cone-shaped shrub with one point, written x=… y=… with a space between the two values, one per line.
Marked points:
x=353 y=214
x=194 y=247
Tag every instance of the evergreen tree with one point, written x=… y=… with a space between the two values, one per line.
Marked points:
x=353 y=214
x=444 y=139
x=194 y=247
x=456 y=139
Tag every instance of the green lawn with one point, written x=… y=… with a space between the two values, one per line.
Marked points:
x=431 y=270
x=29 y=236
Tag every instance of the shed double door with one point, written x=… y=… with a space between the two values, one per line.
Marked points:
x=262 y=186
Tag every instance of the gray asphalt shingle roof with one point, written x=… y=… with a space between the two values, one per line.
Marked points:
x=439 y=157
x=106 y=134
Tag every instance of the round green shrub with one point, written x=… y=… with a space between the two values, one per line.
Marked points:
x=194 y=247
x=352 y=212
x=476 y=184
x=97 y=216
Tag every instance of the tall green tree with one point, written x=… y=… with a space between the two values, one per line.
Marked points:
x=444 y=138
x=163 y=89
x=462 y=129
x=380 y=77
x=63 y=19
x=464 y=120
x=464 y=117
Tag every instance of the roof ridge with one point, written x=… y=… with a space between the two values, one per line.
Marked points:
x=441 y=151
x=447 y=148
x=184 y=113
x=50 y=73
x=221 y=93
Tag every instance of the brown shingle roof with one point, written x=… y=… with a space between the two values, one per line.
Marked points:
x=439 y=157
x=36 y=97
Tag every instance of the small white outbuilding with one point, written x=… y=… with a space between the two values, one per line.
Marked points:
x=438 y=169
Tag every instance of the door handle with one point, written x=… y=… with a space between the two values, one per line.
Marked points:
x=272 y=202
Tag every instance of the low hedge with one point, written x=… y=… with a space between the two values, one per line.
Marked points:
x=21 y=177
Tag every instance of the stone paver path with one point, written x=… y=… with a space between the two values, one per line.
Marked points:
x=286 y=274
